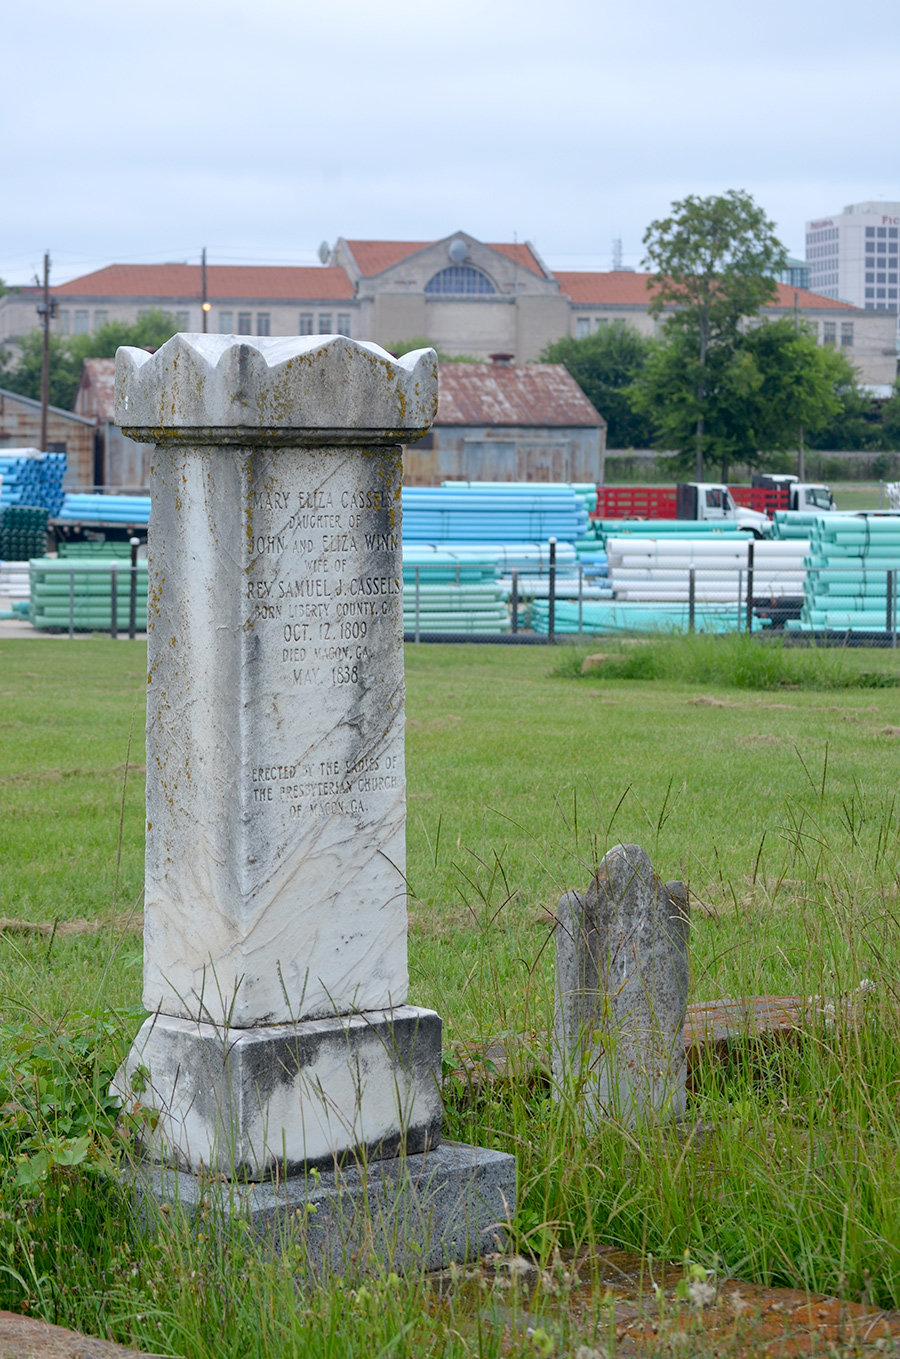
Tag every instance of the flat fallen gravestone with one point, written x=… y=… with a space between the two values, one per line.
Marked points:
x=275 y=939
x=28 y=1338
x=621 y=991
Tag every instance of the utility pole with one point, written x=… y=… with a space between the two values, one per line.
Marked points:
x=204 y=305
x=801 y=452
x=46 y=310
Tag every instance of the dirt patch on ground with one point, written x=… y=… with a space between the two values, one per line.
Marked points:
x=704 y=701
x=131 y=923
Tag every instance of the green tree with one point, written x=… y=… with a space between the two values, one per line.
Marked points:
x=20 y=368
x=605 y=365
x=712 y=262
x=761 y=395
x=400 y=347
x=860 y=423
x=801 y=387
x=890 y=416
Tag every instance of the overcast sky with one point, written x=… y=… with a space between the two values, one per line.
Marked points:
x=143 y=132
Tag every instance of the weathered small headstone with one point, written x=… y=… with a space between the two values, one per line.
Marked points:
x=621 y=990
x=275 y=945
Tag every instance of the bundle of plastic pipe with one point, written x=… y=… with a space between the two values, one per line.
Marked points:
x=797 y=523
x=664 y=528
x=847 y=573
x=454 y=608
x=79 y=594
x=28 y=477
x=585 y=490
x=452 y=590
x=14 y=580
x=615 y=618
x=510 y=513
x=658 y=569
x=105 y=509
x=533 y=558
x=23 y=532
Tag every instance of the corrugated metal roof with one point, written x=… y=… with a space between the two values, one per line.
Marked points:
x=224 y=282
x=97 y=389
x=373 y=257
x=512 y=394
x=620 y=288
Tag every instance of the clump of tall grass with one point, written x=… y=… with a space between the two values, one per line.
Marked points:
x=734 y=661
x=787 y=1168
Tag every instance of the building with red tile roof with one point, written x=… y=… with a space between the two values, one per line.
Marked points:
x=462 y=295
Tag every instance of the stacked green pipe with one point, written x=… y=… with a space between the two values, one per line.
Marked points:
x=847 y=573
x=64 y=595
x=23 y=532
x=609 y=619
x=456 y=592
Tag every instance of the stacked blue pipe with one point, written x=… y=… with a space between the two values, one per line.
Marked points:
x=32 y=478
x=90 y=508
x=585 y=490
x=482 y=512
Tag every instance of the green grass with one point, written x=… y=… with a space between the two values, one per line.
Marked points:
x=858 y=495
x=770 y=790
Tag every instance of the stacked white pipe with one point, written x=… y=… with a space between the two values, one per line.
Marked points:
x=14 y=580
x=658 y=570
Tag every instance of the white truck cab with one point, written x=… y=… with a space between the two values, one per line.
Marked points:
x=711 y=501
x=802 y=495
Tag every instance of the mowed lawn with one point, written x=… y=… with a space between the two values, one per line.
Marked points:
x=777 y=808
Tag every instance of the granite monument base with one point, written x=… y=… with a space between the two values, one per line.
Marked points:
x=426 y=1211
x=253 y=1104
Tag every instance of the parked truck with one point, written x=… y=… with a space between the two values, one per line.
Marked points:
x=802 y=495
x=748 y=507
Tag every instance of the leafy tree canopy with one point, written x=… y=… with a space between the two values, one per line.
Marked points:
x=605 y=365
x=712 y=262
x=761 y=395
x=20 y=368
x=400 y=347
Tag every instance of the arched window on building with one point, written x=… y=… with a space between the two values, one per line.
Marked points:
x=459 y=279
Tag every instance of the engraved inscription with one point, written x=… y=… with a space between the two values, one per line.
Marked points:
x=315 y=554
x=325 y=787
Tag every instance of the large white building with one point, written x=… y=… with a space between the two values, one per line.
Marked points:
x=465 y=296
x=853 y=256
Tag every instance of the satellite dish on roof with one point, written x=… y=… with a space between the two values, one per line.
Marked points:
x=457 y=250
x=324 y=252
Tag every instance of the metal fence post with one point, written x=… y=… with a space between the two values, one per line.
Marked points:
x=114 y=603
x=514 y=603
x=740 y=596
x=132 y=604
x=551 y=593
x=417 y=603
x=71 y=602
x=889 y=600
x=692 y=597
x=580 y=602
x=750 y=547
x=894 y=612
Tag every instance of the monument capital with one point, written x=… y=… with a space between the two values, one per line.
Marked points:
x=310 y=389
